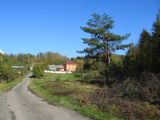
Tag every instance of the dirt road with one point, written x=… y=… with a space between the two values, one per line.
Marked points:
x=21 y=104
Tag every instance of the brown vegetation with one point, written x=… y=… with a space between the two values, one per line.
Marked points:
x=128 y=100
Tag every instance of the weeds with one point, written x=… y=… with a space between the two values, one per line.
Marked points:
x=124 y=101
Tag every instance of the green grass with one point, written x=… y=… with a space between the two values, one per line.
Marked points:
x=62 y=77
x=67 y=94
x=8 y=85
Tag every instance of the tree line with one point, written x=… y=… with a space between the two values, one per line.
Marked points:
x=139 y=67
x=41 y=60
x=145 y=56
x=132 y=81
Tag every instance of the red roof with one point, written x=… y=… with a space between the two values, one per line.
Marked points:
x=70 y=62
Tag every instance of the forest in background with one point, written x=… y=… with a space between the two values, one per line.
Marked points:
x=26 y=60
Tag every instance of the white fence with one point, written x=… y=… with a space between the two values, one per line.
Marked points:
x=57 y=72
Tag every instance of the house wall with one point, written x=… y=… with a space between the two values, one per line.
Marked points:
x=56 y=67
x=70 y=67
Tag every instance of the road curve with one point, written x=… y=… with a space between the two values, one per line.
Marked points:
x=23 y=105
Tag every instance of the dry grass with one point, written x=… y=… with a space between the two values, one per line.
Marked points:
x=124 y=108
x=71 y=94
x=111 y=101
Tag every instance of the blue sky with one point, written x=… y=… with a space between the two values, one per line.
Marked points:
x=33 y=26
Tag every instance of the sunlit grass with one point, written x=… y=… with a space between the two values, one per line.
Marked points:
x=68 y=93
x=62 y=77
x=8 y=85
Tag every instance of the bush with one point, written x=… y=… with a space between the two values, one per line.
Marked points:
x=7 y=73
x=38 y=72
x=146 y=89
x=110 y=102
x=92 y=75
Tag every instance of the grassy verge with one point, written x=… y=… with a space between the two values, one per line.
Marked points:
x=68 y=93
x=62 y=77
x=8 y=85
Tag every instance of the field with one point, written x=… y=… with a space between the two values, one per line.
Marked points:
x=65 y=90
x=91 y=99
x=62 y=77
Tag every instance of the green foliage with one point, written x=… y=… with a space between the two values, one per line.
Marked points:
x=116 y=71
x=7 y=73
x=49 y=58
x=4 y=86
x=27 y=60
x=92 y=75
x=90 y=64
x=102 y=39
x=130 y=62
x=156 y=45
x=38 y=71
x=62 y=77
x=146 y=55
x=141 y=66
x=102 y=42
x=80 y=65
x=144 y=51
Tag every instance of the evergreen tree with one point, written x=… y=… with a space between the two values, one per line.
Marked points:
x=131 y=67
x=144 y=51
x=102 y=42
x=156 y=44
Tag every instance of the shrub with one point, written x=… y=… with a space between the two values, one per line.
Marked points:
x=92 y=75
x=7 y=73
x=146 y=89
x=38 y=72
x=110 y=102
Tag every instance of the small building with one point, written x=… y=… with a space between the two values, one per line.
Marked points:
x=17 y=67
x=70 y=66
x=56 y=68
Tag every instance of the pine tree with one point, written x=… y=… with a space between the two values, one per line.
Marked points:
x=130 y=62
x=156 y=44
x=102 y=42
x=144 y=51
